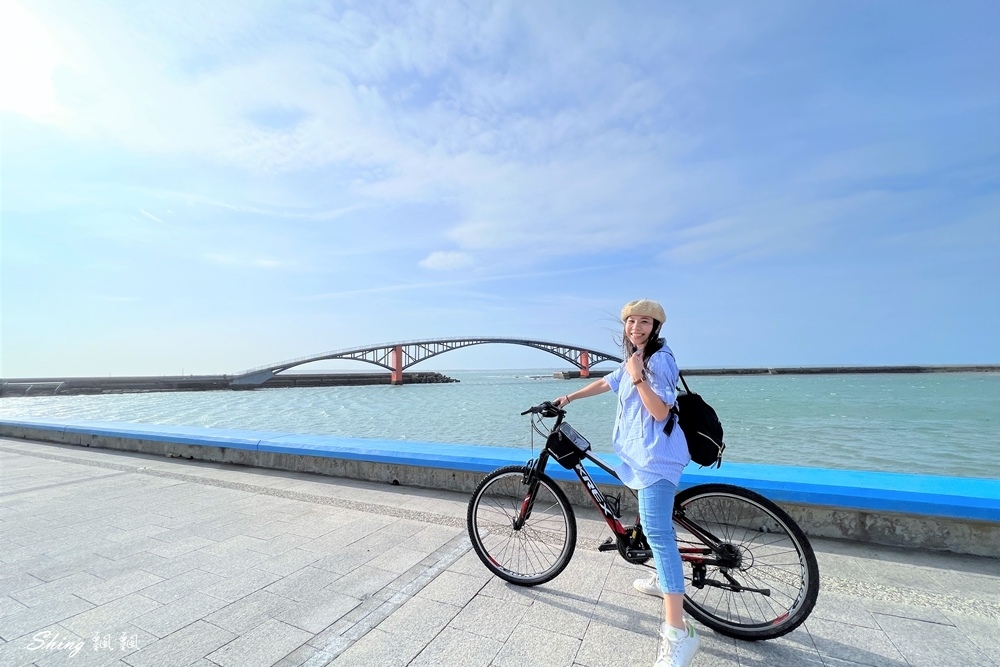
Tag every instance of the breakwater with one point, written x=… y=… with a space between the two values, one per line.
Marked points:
x=139 y=385
x=810 y=370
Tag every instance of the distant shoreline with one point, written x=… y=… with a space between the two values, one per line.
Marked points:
x=171 y=383
x=813 y=370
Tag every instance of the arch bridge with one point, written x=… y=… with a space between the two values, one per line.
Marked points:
x=397 y=357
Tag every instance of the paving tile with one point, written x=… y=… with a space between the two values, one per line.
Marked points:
x=34 y=619
x=241 y=583
x=120 y=586
x=863 y=645
x=183 y=647
x=715 y=650
x=249 y=612
x=73 y=583
x=173 y=548
x=453 y=588
x=362 y=582
x=398 y=559
x=111 y=617
x=105 y=568
x=181 y=586
x=641 y=614
x=317 y=613
x=919 y=612
x=925 y=644
x=498 y=589
x=18 y=582
x=982 y=631
x=379 y=648
x=419 y=618
x=169 y=618
x=343 y=561
x=101 y=651
x=288 y=562
x=9 y=606
x=534 y=647
x=843 y=609
x=261 y=646
x=793 y=650
x=605 y=646
x=430 y=538
x=300 y=585
x=168 y=568
x=43 y=644
x=279 y=544
x=470 y=564
x=66 y=565
x=475 y=651
x=560 y=612
x=298 y=657
x=489 y=617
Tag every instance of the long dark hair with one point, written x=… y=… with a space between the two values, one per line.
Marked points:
x=654 y=345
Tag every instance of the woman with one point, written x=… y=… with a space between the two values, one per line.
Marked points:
x=652 y=461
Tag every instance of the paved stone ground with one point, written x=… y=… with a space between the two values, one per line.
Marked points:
x=204 y=564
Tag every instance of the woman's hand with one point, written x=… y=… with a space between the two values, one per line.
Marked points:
x=561 y=402
x=635 y=367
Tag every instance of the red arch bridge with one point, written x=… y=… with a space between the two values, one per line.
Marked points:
x=397 y=357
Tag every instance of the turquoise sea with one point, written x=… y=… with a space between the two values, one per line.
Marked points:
x=931 y=423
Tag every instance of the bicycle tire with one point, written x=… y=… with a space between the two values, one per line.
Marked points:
x=773 y=554
x=541 y=548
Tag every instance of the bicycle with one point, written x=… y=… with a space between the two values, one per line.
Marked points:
x=753 y=574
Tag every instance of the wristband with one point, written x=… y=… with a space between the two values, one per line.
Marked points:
x=638 y=382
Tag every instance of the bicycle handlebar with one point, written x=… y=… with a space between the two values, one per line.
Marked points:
x=546 y=409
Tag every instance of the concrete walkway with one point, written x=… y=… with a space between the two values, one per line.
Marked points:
x=127 y=559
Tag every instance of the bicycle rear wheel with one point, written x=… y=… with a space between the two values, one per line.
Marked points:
x=763 y=549
x=537 y=551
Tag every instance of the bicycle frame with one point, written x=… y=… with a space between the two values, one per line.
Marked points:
x=629 y=541
x=732 y=540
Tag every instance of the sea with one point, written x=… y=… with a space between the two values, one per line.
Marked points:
x=926 y=423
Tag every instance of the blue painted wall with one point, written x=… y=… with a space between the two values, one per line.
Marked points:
x=955 y=497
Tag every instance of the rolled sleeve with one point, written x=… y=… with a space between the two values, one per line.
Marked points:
x=614 y=378
x=663 y=376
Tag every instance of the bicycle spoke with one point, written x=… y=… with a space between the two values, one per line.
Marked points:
x=757 y=551
x=540 y=547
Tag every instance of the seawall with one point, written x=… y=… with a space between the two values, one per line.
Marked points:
x=961 y=515
x=146 y=384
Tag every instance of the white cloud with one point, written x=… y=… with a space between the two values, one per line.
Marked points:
x=28 y=57
x=447 y=261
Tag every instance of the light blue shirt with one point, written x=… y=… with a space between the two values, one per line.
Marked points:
x=647 y=453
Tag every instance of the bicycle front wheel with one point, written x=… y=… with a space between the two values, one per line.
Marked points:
x=767 y=581
x=538 y=550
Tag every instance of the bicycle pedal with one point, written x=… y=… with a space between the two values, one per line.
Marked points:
x=610 y=544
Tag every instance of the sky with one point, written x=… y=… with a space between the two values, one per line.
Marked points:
x=187 y=187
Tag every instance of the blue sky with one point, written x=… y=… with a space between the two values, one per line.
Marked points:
x=187 y=188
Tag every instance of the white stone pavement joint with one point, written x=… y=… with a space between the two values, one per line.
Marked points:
x=324 y=656
x=369 y=508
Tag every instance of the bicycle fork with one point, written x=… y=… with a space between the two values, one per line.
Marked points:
x=534 y=468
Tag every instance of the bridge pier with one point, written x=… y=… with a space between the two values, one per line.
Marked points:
x=397 y=365
x=584 y=364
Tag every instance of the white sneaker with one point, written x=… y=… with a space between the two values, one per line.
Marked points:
x=649 y=586
x=676 y=651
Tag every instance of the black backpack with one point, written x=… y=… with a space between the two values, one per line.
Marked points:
x=701 y=427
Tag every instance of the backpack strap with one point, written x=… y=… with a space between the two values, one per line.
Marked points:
x=680 y=375
x=683 y=381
